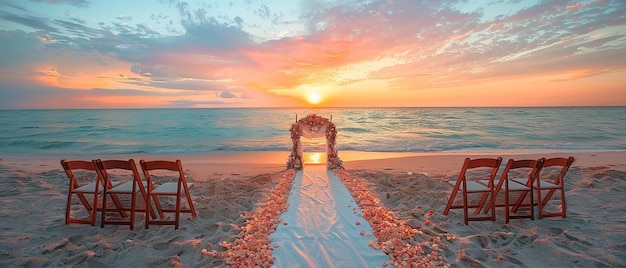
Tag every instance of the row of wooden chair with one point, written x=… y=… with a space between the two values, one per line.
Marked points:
x=541 y=177
x=96 y=179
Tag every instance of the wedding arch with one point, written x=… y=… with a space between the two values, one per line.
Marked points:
x=313 y=126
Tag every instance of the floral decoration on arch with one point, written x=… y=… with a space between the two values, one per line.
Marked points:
x=314 y=123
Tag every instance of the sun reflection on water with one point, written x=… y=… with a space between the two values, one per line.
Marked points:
x=314 y=158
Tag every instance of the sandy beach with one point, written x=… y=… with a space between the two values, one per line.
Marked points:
x=227 y=185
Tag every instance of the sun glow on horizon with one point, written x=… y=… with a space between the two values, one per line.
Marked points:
x=314 y=97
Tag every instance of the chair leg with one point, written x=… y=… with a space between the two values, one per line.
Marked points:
x=148 y=210
x=563 y=208
x=94 y=209
x=481 y=204
x=488 y=207
x=144 y=195
x=157 y=204
x=506 y=203
x=68 y=208
x=540 y=203
x=465 y=209
x=132 y=211
x=531 y=203
x=519 y=201
x=84 y=201
x=493 y=205
x=190 y=202
x=119 y=206
x=455 y=190
x=548 y=196
x=103 y=213
x=177 y=216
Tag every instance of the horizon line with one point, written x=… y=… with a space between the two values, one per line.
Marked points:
x=330 y=107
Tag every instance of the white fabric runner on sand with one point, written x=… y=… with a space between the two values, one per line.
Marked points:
x=321 y=227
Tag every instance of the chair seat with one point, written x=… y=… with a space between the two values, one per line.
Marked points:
x=544 y=184
x=90 y=188
x=169 y=188
x=473 y=186
x=516 y=186
x=126 y=187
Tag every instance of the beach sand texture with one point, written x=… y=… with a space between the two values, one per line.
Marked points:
x=34 y=192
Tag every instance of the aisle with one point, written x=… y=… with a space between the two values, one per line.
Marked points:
x=322 y=228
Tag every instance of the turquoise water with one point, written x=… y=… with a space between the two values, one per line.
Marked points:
x=175 y=131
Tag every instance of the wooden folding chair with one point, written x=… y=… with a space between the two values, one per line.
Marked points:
x=467 y=184
x=517 y=177
x=172 y=189
x=548 y=181
x=84 y=180
x=132 y=187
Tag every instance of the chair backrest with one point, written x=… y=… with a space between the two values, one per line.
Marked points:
x=73 y=165
x=117 y=164
x=77 y=164
x=482 y=162
x=176 y=166
x=104 y=165
x=490 y=164
x=532 y=168
x=161 y=164
x=563 y=163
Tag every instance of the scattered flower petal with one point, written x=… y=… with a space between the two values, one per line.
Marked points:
x=393 y=236
x=253 y=244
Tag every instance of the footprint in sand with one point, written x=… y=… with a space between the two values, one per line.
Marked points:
x=75 y=239
x=161 y=246
x=56 y=246
x=555 y=230
x=523 y=240
x=502 y=239
x=577 y=240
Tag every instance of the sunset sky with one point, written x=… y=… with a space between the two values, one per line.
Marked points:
x=249 y=53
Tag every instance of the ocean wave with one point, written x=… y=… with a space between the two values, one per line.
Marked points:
x=54 y=132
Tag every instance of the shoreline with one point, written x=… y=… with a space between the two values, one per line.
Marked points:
x=256 y=162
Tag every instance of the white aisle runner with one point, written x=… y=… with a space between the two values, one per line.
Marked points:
x=321 y=227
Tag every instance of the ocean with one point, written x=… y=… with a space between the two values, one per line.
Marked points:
x=74 y=133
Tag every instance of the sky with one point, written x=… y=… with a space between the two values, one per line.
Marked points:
x=77 y=54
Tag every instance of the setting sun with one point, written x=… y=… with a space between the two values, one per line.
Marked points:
x=314 y=97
